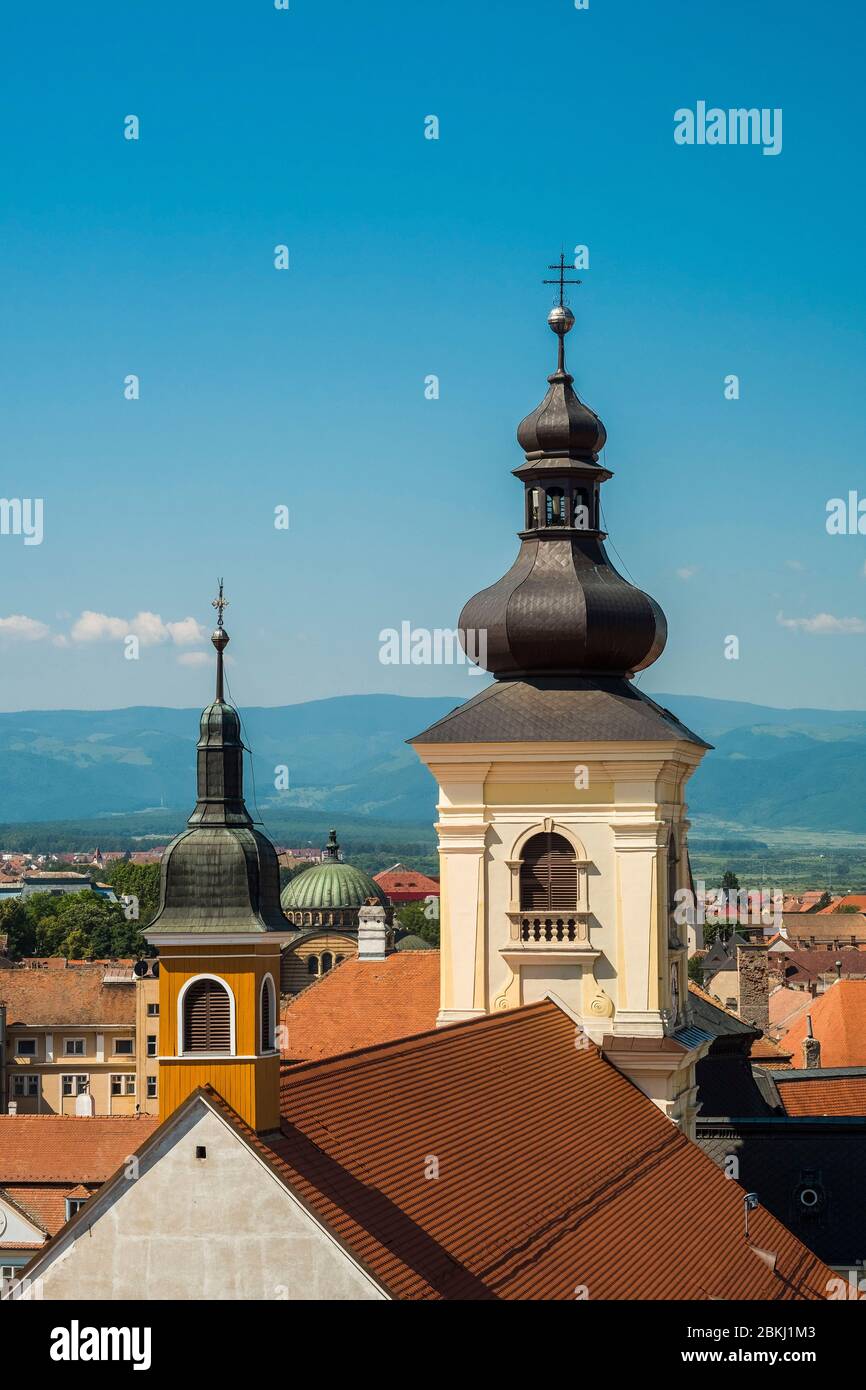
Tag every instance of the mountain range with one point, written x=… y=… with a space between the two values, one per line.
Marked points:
x=770 y=768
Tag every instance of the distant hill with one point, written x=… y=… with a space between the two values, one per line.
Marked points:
x=346 y=754
x=347 y=757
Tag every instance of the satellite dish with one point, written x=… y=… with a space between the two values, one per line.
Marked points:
x=140 y=969
x=154 y=969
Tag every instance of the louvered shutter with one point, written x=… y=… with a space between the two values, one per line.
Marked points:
x=267 y=1042
x=548 y=875
x=207 y=1017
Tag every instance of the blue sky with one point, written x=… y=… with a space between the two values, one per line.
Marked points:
x=410 y=257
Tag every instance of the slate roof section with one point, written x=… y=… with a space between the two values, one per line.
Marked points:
x=779 y=1157
x=68 y=998
x=567 y=710
x=362 y=1003
x=553 y=1171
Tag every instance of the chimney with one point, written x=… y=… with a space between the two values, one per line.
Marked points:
x=372 y=931
x=753 y=978
x=811 y=1047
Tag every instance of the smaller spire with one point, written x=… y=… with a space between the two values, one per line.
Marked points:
x=332 y=849
x=560 y=318
x=220 y=639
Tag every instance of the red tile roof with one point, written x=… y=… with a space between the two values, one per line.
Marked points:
x=857 y=900
x=552 y=1172
x=65 y=997
x=363 y=1002
x=838 y=1022
x=407 y=885
x=67 y=1148
x=831 y=1095
x=769 y=1053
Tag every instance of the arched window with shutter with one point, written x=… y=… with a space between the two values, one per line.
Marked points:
x=268 y=1014
x=206 y=1016
x=548 y=874
x=327 y=962
x=312 y=965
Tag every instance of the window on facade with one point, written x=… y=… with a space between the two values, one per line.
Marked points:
x=25 y=1086
x=25 y=1047
x=74 y=1204
x=327 y=962
x=206 y=1017
x=312 y=965
x=151 y=1044
x=122 y=1085
x=153 y=1011
x=337 y=959
x=267 y=1039
x=123 y=1047
x=548 y=875
x=73 y=1047
x=151 y=1088
x=76 y=1085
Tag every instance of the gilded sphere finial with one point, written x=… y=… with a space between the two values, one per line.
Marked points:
x=561 y=320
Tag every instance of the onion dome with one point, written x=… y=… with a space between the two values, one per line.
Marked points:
x=561 y=425
x=220 y=874
x=562 y=609
x=331 y=884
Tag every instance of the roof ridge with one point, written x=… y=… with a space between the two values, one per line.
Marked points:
x=362 y=1054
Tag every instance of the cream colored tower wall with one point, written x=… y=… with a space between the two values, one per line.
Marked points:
x=618 y=804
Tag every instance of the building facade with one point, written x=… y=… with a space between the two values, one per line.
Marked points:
x=78 y=1040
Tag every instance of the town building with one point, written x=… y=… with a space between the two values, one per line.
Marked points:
x=322 y=903
x=49 y=1167
x=78 y=1039
x=402 y=885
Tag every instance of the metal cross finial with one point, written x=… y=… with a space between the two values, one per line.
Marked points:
x=560 y=279
x=220 y=604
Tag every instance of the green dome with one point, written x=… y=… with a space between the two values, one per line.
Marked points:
x=328 y=885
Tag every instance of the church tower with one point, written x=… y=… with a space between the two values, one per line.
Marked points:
x=219 y=929
x=562 y=820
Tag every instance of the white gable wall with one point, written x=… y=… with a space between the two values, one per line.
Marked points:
x=222 y=1227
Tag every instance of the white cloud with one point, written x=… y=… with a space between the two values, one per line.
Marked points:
x=822 y=624
x=795 y=565
x=687 y=572
x=194 y=659
x=24 y=629
x=186 y=632
x=147 y=627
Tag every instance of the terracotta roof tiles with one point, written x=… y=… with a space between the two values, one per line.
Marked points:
x=67 y=1148
x=832 y=1095
x=838 y=1022
x=497 y=1160
x=363 y=1002
x=65 y=997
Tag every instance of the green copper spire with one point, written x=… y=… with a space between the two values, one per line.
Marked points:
x=220 y=874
